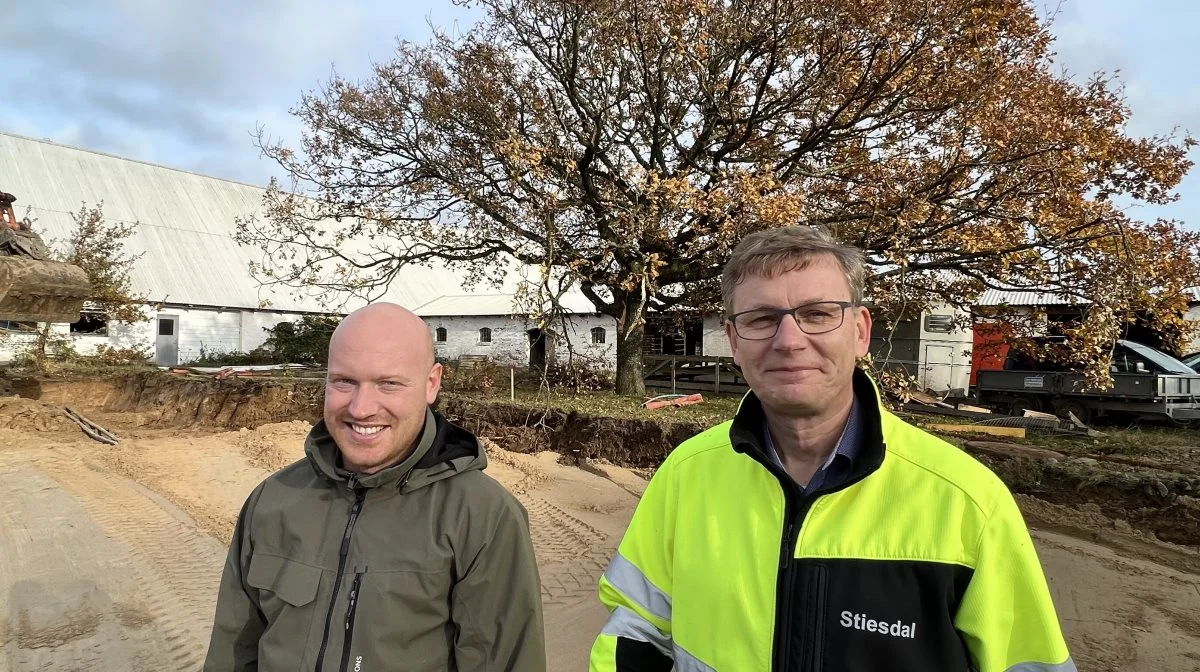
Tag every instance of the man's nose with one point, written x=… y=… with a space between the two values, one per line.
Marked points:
x=363 y=402
x=789 y=336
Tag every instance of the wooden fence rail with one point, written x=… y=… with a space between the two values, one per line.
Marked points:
x=719 y=375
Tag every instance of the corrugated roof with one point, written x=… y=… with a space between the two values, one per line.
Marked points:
x=999 y=297
x=491 y=304
x=186 y=225
x=467 y=304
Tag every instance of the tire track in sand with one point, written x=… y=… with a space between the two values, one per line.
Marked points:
x=176 y=564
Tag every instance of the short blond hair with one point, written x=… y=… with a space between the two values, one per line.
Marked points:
x=770 y=252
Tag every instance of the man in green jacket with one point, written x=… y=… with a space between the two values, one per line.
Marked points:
x=816 y=530
x=388 y=548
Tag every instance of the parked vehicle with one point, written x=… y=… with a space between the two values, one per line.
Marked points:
x=1147 y=383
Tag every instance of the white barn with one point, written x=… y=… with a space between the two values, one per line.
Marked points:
x=486 y=324
x=195 y=274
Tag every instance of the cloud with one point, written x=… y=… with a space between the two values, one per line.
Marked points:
x=185 y=84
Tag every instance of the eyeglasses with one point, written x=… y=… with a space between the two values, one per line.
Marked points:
x=813 y=318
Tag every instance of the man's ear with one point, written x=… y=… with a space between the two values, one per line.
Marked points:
x=433 y=384
x=862 y=334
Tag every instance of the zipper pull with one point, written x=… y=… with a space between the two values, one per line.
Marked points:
x=353 y=598
x=785 y=558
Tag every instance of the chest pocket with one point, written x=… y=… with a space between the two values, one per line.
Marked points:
x=287 y=598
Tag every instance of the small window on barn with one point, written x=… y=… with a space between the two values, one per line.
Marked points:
x=597 y=334
x=941 y=324
x=441 y=334
x=91 y=323
x=485 y=335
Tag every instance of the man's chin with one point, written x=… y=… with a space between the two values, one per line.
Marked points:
x=364 y=460
x=794 y=399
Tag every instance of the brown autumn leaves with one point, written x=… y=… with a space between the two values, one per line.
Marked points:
x=627 y=146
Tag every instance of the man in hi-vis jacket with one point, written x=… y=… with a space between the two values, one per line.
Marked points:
x=815 y=531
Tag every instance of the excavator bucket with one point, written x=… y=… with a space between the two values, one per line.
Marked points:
x=41 y=291
x=34 y=287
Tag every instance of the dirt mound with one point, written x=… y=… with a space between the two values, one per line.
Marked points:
x=1088 y=522
x=520 y=429
x=526 y=465
x=28 y=415
x=201 y=401
x=274 y=446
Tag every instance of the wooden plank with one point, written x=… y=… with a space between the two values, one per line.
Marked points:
x=657 y=367
x=974 y=409
x=1014 y=432
x=950 y=412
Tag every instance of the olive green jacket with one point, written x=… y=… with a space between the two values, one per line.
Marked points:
x=426 y=565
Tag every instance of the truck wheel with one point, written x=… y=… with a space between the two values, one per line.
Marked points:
x=1076 y=408
x=1019 y=405
x=1184 y=424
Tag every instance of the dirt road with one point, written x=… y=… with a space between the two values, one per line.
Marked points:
x=110 y=556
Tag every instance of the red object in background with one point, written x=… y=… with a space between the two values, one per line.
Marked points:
x=990 y=347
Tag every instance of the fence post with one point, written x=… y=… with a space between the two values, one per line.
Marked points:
x=672 y=375
x=512 y=384
x=717 y=379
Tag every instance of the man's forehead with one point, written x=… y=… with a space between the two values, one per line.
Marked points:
x=820 y=283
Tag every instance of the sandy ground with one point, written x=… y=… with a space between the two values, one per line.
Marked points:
x=110 y=556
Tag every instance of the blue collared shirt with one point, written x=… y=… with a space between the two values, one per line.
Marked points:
x=841 y=460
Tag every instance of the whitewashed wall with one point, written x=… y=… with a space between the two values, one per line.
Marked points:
x=120 y=335
x=716 y=344
x=214 y=330
x=510 y=338
x=1193 y=315
x=579 y=332
x=255 y=324
x=211 y=330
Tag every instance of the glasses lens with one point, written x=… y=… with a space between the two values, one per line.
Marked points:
x=757 y=324
x=820 y=317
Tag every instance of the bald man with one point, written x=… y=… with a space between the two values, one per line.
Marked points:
x=387 y=548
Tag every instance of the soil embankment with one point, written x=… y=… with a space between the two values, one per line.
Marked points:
x=113 y=553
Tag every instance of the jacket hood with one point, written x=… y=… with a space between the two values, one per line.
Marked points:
x=443 y=450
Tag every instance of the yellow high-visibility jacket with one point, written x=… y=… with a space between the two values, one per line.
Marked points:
x=919 y=562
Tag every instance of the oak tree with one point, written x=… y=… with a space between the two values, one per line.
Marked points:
x=627 y=146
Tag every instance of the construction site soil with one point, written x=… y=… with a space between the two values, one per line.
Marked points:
x=110 y=555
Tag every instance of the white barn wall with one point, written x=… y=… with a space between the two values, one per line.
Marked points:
x=215 y=330
x=255 y=324
x=510 y=340
x=209 y=330
x=1193 y=315
x=579 y=333
x=509 y=344
x=715 y=342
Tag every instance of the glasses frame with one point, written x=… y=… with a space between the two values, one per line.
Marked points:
x=780 y=313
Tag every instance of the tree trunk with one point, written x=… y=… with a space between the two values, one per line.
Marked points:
x=631 y=333
x=39 y=346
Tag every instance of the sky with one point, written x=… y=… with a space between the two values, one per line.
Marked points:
x=186 y=84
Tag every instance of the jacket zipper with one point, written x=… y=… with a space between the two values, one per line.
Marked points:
x=359 y=495
x=796 y=509
x=350 y=610
x=794 y=513
x=815 y=630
